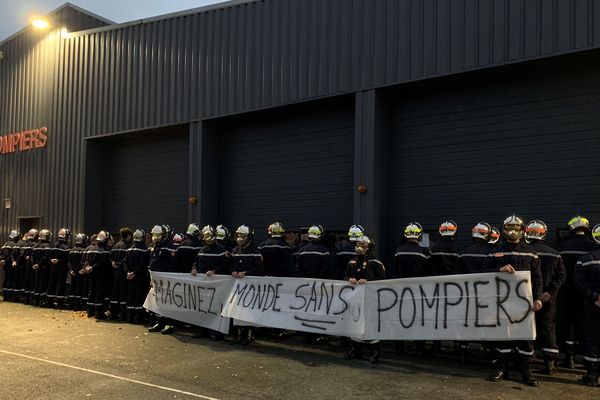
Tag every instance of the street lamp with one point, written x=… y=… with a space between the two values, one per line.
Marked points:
x=39 y=24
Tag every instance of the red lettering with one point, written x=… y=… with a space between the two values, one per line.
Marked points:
x=42 y=138
x=23 y=141
x=26 y=140
x=16 y=138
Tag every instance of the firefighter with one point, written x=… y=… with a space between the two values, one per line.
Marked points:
x=362 y=268
x=8 y=273
x=314 y=259
x=77 y=272
x=516 y=255
x=19 y=265
x=569 y=307
x=345 y=250
x=118 y=295
x=87 y=296
x=59 y=270
x=40 y=260
x=136 y=263
x=473 y=261
x=246 y=261
x=412 y=261
x=586 y=276
x=99 y=268
x=211 y=259
x=160 y=261
x=276 y=253
x=223 y=237
x=553 y=276
x=188 y=249
x=25 y=258
x=445 y=253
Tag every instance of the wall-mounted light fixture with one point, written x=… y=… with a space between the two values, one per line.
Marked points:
x=39 y=23
x=1 y=55
x=7 y=203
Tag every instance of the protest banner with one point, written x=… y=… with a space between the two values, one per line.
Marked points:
x=196 y=300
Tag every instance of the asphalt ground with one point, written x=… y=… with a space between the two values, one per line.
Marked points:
x=52 y=354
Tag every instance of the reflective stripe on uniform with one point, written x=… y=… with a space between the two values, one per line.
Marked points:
x=410 y=253
x=513 y=253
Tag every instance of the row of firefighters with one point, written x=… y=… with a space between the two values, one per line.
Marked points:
x=101 y=274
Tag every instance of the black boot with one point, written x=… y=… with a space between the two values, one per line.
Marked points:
x=569 y=361
x=354 y=351
x=374 y=358
x=549 y=367
x=528 y=377
x=160 y=324
x=464 y=355
x=500 y=374
x=589 y=379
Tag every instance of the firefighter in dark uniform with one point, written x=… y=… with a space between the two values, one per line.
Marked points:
x=587 y=280
x=40 y=259
x=553 y=276
x=345 y=250
x=77 y=272
x=246 y=261
x=8 y=281
x=223 y=238
x=99 y=268
x=136 y=263
x=314 y=259
x=59 y=270
x=160 y=261
x=87 y=296
x=276 y=253
x=212 y=259
x=363 y=268
x=412 y=261
x=118 y=294
x=25 y=257
x=188 y=249
x=516 y=255
x=569 y=306
x=474 y=261
x=19 y=265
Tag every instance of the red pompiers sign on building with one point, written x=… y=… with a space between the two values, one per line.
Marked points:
x=24 y=141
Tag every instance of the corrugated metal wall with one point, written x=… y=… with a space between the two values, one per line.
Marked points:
x=29 y=91
x=272 y=52
x=486 y=145
x=247 y=57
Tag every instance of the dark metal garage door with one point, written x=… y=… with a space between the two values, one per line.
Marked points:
x=484 y=145
x=293 y=165
x=146 y=181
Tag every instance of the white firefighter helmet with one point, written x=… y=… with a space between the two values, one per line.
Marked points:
x=222 y=232
x=315 y=232
x=139 y=235
x=276 y=229
x=481 y=230
x=13 y=234
x=159 y=233
x=193 y=230
x=448 y=228
x=513 y=227
x=578 y=222
x=494 y=235
x=536 y=230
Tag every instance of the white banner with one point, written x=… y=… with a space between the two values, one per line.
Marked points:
x=458 y=307
x=495 y=306
x=309 y=305
x=196 y=300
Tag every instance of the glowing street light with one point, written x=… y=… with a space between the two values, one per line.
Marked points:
x=39 y=24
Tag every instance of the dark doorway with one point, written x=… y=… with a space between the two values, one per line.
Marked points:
x=27 y=223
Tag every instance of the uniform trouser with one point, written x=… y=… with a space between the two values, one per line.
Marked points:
x=76 y=289
x=545 y=321
x=56 y=282
x=137 y=290
x=118 y=295
x=10 y=287
x=569 y=318
x=21 y=279
x=2 y=278
x=591 y=337
x=519 y=351
x=41 y=278
x=29 y=279
x=99 y=290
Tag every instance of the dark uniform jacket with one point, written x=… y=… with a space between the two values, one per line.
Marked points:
x=117 y=253
x=345 y=253
x=571 y=250
x=551 y=263
x=137 y=258
x=475 y=257
x=587 y=276
x=214 y=258
x=97 y=256
x=60 y=251
x=187 y=253
x=75 y=258
x=314 y=261
x=247 y=259
x=40 y=255
x=522 y=258
x=277 y=257
x=445 y=257
x=160 y=259
x=6 y=253
x=365 y=267
x=412 y=261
